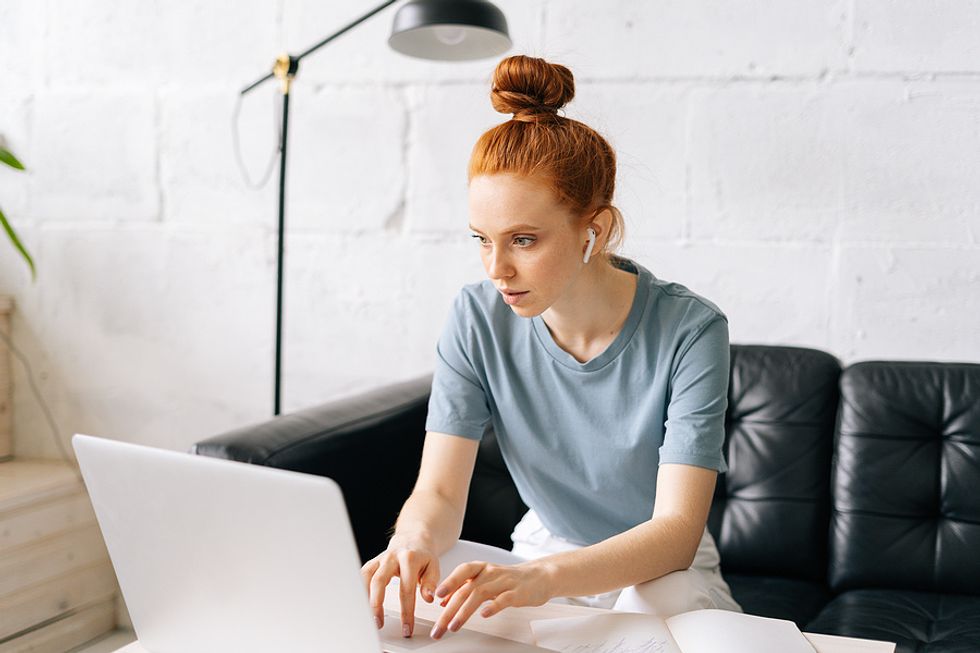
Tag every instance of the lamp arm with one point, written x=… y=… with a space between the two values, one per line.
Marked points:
x=294 y=60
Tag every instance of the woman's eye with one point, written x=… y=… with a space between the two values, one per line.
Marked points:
x=520 y=241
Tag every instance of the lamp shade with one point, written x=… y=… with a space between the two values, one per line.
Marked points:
x=449 y=30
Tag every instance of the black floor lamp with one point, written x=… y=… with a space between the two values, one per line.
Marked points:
x=448 y=30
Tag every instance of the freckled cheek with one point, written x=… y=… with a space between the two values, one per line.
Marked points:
x=555 y=260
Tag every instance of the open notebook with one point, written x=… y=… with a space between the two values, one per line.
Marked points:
x=699 y=631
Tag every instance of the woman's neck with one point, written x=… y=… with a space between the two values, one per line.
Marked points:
x=593 y=311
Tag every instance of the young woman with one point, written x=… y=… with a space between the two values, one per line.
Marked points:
x=605 y=386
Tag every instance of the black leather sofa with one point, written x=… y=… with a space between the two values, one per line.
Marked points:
x=851 y=506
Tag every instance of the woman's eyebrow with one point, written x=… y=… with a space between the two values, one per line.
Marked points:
x=514 y=228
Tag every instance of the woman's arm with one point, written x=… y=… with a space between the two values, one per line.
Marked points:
x=429 y=523
x=665 y=543
x=433 y=514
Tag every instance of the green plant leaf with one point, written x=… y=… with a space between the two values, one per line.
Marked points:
x=6 y=156
x=16 y=241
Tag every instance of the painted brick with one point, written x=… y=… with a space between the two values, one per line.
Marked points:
x=94 y=156
x=149 y=43
x=908 y=303
x=362 y=54
x=625 y=38
x=912 y=161
x=15 y=136
x=765 y=163
x=200 y=179
x=776 y=294
x=446 y=123
x=147 y=334
x=15 y=275
x=163 y=333
x=21 y=46
x=367 y=311
x=645 y=125
x=916 y=36
x=346 y=170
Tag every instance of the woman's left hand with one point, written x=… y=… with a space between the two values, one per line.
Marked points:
x=473 y=583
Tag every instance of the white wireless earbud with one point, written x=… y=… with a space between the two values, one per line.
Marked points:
x=588 y=250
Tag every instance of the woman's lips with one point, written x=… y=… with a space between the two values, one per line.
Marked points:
x=511 y=298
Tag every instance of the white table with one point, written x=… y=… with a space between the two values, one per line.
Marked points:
x=512 y=623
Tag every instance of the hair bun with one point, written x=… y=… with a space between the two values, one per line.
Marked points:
x=531 y=88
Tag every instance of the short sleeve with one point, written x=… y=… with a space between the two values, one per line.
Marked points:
x=694 y=433
x=458 y=402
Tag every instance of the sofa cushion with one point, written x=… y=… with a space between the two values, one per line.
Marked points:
x=906 y=478
x=779 y=598
x=771 y=510
x=919 y=622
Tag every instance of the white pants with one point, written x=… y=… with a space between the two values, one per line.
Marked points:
x=700 y=586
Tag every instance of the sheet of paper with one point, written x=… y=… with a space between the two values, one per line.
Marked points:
x=464 y=641
x=709 y=631
x=612 y=633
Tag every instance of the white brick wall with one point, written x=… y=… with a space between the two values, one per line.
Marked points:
x=94 y=155
x=698 y=38
x=916 y=36
x=912 y=158
x=199 y=179
x=765 y=163
x=809 y=166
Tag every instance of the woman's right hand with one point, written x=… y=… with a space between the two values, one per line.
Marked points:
x=414 y=564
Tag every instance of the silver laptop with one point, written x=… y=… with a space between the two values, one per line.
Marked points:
x=215 y=555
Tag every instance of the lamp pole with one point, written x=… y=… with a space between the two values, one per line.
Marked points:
x=285 y=70
x=476 y=29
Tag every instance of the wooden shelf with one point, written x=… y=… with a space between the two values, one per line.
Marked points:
x=6 y=381
x=65 y=634
x=57 y=586
x=25 y=482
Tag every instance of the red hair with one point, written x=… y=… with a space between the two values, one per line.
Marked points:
x=568 y=156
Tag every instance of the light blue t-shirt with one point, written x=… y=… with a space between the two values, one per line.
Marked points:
x=583 y=441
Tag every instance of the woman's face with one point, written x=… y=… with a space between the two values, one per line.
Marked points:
x=527 y=240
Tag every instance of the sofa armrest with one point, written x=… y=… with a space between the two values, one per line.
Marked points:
x=370 y=444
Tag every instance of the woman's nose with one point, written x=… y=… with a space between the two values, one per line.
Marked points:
x=498 y=267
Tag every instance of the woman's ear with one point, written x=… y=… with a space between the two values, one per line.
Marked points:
x=602 y=221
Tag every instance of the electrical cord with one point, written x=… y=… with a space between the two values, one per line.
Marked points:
x=236 y=144
x=44 y=407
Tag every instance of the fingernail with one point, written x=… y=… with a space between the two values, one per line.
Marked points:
x=436 y=632
x=406 y=630
x=377 y=620
x=454 y=626
x=441 y=592
x=485 y=613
